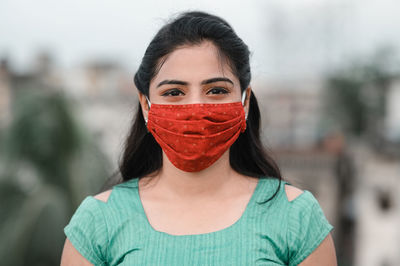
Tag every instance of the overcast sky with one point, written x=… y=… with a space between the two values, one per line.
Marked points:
x=286 y=37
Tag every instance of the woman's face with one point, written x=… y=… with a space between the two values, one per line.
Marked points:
x=194 y=74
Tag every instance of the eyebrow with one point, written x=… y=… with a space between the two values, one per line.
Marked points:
x=207 y=81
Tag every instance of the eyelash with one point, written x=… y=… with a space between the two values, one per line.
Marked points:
x=220 y=89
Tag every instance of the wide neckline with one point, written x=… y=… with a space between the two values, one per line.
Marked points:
x=227 y=229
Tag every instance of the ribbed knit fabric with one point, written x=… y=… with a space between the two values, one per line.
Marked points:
x=279 y=232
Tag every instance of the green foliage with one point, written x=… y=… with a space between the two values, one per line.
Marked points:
x=345 y=102
x=49 y=163
x=355 y=95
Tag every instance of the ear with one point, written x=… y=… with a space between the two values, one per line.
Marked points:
x=247 y=101
x=144 y=105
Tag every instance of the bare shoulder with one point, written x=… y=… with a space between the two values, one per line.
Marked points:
x=292 y=192
x=103 y=196
x=324 y=254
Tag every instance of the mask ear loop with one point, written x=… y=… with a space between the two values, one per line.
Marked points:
x=148 y=102
x=243 y=100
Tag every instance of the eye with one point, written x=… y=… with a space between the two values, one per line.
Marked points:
x=218 y=90
x=173 y=92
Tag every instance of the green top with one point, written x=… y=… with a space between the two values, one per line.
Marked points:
x=279 y=232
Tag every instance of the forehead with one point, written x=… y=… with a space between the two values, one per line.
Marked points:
x=194 y=63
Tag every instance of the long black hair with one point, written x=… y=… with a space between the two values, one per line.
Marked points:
x=142 y=154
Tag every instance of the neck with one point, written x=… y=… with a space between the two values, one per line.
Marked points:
x=213 y=180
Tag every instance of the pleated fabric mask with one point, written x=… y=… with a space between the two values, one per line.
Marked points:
x=194 y=136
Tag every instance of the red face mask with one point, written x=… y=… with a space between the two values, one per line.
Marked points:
x=194 y=136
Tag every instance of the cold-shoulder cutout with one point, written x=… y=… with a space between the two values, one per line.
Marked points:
x=103 y=196
x=292 y=192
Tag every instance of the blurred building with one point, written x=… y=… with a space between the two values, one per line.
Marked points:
x=392 y=119
x=291 y=113
x=105 y=99
x=378 y=182
x=98 y=79
x=378 y=208
x=102 y=91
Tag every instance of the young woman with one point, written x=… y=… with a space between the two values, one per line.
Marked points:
x=198 y=187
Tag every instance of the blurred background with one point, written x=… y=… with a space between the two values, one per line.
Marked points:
x=326 y=74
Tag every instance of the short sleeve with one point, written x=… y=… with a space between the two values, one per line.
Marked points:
x=87 y=231
x=307 y=227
